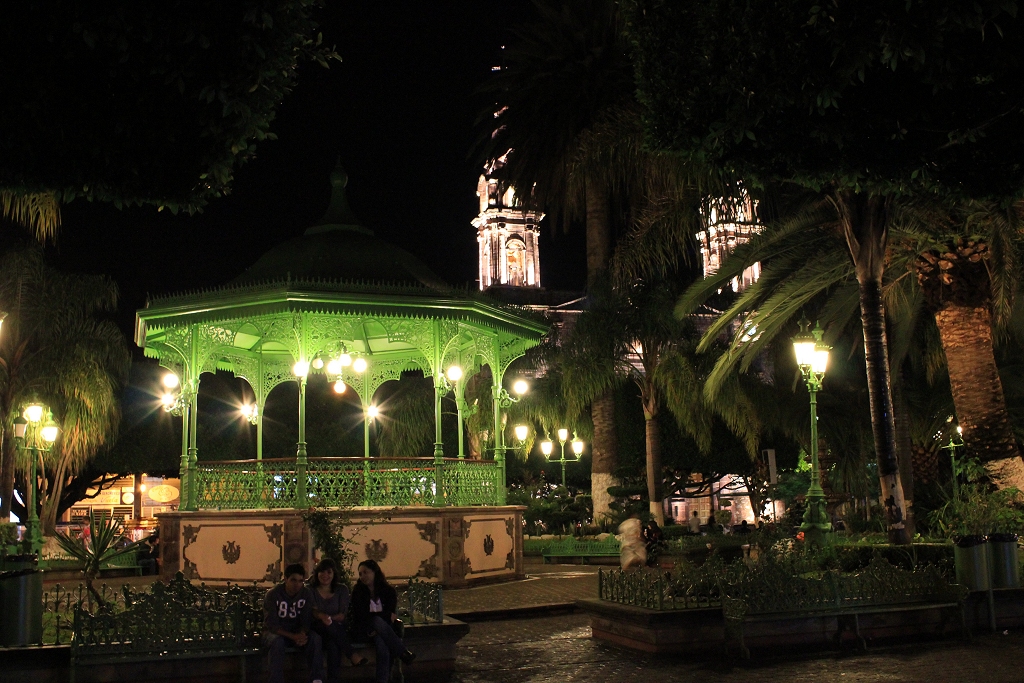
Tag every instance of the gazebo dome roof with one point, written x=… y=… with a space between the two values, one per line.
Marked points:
x=339 y=248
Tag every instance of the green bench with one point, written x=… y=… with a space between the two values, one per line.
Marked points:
x=179 y=620
x=582 y=548
x=770 y=593
x=172 y=621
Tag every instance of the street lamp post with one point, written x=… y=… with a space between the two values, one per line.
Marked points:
x=951 y=447
x=36 y=435
x=547 y=448
x=812 y=358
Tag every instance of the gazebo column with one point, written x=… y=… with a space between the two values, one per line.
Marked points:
x=185 y=503
x=497 y=392
x=439 y=391
x=188 y=423
x=301 y=499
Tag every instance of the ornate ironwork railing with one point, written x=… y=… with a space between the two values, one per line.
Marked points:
x=424 y=603
x=658 y=590
x=471 y=482
x=386 y=482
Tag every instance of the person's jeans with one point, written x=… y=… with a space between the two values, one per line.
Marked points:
x=388 y=645
x=335 y=643
x=314 y=655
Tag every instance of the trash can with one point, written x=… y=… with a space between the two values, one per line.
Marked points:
x=1003 y=560
x=970 y=554
x=21 y=619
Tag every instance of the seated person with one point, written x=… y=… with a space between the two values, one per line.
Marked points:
x=375 y=615
x=330 y=606
x=694 y=524
x=288 y=618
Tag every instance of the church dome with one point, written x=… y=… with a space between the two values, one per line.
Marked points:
x=339 y=248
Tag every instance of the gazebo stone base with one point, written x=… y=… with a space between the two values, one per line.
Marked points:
x=455 y=546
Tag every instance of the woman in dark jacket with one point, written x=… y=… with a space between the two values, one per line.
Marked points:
x=330 y=606
x=374 y=614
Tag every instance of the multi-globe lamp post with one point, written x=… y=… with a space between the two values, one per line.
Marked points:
x=35 y=434
x=812 y=358
x=548 y=448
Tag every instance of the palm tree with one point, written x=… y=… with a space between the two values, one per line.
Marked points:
x=57 y=348
x=967 y=258
x=567 y=125
x=37 y=211
x=561 y=75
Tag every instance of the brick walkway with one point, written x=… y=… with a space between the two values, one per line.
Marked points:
x=558 y=649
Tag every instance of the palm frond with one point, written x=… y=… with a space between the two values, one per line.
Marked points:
x=37 y=211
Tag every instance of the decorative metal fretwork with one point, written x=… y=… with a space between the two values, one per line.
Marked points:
x=425 y=603
x=166 y=621
x=386 y=482
x=245 y=485
x=655 y=590
x=471 y=482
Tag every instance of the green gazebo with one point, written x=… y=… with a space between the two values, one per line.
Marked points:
x=338 y=301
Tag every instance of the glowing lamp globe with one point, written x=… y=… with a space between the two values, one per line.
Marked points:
x=522 y=431
x=359 y=365
x=345 y=359
x=301 y=368
x=34 y=413
x=318 y=363
x=546 y=446
x=339 y=387
x=454 y=373
x=167 y=400
x=170 y=381
x=334 y=367
x=577 y=447
x=563 y=435
x=50 y=429
x=520 y=387
x=373 y=411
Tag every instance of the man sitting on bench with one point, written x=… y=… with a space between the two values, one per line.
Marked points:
x=288 y=618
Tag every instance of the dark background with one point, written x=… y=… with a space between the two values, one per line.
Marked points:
x=399 y=111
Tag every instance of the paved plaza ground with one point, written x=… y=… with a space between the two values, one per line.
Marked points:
x=559 y=649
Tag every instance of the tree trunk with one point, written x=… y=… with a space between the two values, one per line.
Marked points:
x=654 y=485
x=966 y=334
x=6 y=477
x=604 y=454
x=904 y=449
x=605 y=448
x=864 y=220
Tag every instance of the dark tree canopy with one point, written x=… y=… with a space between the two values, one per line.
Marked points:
x=144 y=102
x=872 y=95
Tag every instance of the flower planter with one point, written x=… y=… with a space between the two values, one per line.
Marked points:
x=1003 y=560
x=970 y=554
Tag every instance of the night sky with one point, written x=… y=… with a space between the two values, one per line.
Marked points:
x=399 y=111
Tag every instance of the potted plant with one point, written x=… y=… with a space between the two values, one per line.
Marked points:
x=102 y=543
x=966 y=519
x=1007 y=521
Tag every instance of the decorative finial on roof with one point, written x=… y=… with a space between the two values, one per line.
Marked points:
x=339 y=214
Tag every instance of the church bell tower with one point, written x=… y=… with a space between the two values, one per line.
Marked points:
x=507 y=235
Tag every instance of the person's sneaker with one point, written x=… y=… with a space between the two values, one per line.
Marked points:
x=407 y=657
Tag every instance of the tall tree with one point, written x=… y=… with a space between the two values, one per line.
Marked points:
x=865 y=101
x=134 y=103
x=57 y=347
x=560 y=76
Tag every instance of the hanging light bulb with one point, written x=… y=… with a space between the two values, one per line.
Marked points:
x=345 y=359
x=301 y=368
x=334 y=367
x=170 y=381
x=520 y=387
x=359 y=365
x=339 y=387
x=318 y=363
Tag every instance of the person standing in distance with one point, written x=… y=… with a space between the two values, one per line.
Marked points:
x=287 y=620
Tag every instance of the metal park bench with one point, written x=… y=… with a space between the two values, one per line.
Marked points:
x=173 y=621
x=772 y=593
x=582 y=548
